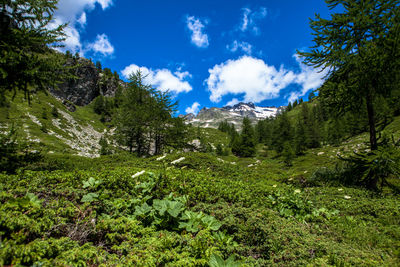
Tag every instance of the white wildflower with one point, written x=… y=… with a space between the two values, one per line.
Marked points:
x=274 y=185
x=347 y=197
x=138 y=174
x=251 y=165
x=297 y=191
x=340 y=189
x=162 y=157
x=178 y=160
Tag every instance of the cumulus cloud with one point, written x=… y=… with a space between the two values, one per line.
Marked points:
x=250 y=19
x=244 y=46
x=233 y=102
x=196 y=27
x=162 y=79
x=249 y=76
x=193 y=109
x=258 y=81
x=309 y=78
x=74 y=12
x=82 y=19
x=101 y=45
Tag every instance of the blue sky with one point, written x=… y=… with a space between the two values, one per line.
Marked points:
x=207 y=53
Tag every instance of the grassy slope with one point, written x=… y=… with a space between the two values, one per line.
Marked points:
x=274 y=218
x=43 y=104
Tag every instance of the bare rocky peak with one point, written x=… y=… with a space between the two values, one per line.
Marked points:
x=211 y=117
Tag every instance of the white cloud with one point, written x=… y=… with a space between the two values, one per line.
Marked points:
x=193 y=109
x=82 y=19
x=250 y=18
x=198 y=37
x=101 y=45
x=233 y=102
x=74 y=12
x=244 y=46
x=257 y=81
x=162 y=79
x=249 y=76
x=293 y=96
x=309 y=77
x=105 y=3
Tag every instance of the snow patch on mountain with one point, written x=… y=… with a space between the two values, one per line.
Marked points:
x=211 y=117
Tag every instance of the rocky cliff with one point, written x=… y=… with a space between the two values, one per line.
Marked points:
x=88 y=83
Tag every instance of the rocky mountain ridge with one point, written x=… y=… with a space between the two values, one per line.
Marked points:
x=211 y=117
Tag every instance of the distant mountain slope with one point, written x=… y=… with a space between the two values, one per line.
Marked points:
x=211 y=117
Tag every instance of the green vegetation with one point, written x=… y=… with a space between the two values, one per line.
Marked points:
x=192 y=212
x=308 y=188
x=144 y=117
x=26 y=60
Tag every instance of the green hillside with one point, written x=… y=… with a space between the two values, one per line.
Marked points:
x=51 y=127
x=124 y=210
x=106 y=174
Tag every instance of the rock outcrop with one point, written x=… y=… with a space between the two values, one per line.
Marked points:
x=88 y=83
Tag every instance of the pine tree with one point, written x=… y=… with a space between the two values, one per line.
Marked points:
x=26 y=59
x=134 y=117
x=144 y=119
x=287 y=153
x=219 y=150
x=300 y=140
x=247 y=136
x=245 y=144
x=360 y=49
x=282 y=132
x=289 y=107
x=98 y=65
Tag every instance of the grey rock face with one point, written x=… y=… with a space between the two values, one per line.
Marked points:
x=88 y=83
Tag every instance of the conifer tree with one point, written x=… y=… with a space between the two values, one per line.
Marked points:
x=300 y=140
x=287 y=153
x=134 y=117
x=282 y=132
x=26 y=60
x=360 y=48
x=144 y=119
x=245 y=144
x=247 y=136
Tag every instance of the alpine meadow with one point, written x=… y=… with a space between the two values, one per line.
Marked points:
x=175 y=133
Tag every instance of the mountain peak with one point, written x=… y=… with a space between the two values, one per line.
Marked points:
x=211 y=117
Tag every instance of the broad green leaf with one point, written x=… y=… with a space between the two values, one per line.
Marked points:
x=211 y=223
x=89 y=197
x=174 y=208
x=160 y=205
x=34 y=200
x=142 y=210
x=216 y=261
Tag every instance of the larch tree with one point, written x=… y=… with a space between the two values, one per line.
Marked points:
x=26 y=58
x=360 y=48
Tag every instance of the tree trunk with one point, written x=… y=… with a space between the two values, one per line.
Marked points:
x=371 y=122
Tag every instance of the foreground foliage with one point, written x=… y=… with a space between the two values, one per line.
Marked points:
x=199 y=211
